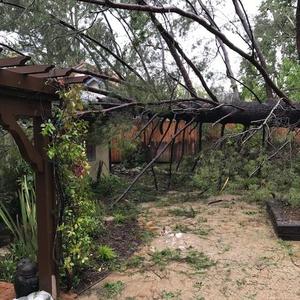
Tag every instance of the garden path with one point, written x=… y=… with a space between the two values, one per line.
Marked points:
x=227 y=250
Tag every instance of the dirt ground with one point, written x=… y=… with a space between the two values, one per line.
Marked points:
x=222 y=250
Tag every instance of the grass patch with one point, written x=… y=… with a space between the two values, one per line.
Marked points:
x=162 y=258
x=106 y=253
x=198 y=260
x=135 y=262
x=171 y=295
x=287 y=246
x=202 y=231
x=113 y=289
x=147 y=236
x=183 y=212
x=250 y=213
x=119 y=217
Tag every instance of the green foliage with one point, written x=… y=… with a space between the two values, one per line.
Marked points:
x=106 y=253
x=119 y=217
x=113 y=289
x=274 y=29
x=52 y=42
x=250 y=172
x=68 y=152
x=12 y=167
x=135 y=262
x=288 y=78
x=108 y=185
x=198 y=260
x=162 y=258
x=183 y=212
x=181 y=228
x=147 y=236
x=8 y=265
x=171 y=295
x=24 y=229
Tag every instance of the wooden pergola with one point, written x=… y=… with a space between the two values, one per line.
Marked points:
x=28 y=91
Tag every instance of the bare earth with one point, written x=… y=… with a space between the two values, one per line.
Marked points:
x=250 y=262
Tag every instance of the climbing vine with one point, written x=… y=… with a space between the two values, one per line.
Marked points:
x=76 y=210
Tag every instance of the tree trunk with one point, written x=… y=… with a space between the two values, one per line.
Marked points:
x=298 y=29
x=246 y=113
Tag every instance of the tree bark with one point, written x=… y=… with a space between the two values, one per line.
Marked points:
x=245 y=22
x=246 y=113
x=174 y=53
x=298 y=29
x=225 y=53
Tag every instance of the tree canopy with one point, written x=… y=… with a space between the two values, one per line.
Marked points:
x=168 y=47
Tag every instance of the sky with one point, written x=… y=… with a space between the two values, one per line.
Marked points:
x=223 y=14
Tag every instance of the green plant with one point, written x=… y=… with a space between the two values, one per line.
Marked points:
x=198 y=260
x=108 y=185
x=77 y=219
x=201 y=231
x=183 y=212
x=135 y=262
x=7 y=268
x=162 y=258
x=24 y=228
x=147 y=236
x=113 y=289
x=171 y=295
x=119 y=217
x=106 y=253
x=250 y=170
x=287 y=246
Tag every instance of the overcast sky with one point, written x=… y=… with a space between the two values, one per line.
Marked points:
x=224 y=13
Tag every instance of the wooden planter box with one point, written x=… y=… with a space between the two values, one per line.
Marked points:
x=285 y=220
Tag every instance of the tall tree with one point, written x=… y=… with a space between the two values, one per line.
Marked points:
x=275 y=29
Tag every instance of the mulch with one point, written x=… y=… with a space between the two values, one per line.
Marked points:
x=124 y=238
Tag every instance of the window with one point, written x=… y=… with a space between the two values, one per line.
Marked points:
x=91 y=152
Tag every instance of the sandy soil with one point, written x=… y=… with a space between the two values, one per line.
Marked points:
x=250 y=262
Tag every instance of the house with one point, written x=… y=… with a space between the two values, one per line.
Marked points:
x=98 y=154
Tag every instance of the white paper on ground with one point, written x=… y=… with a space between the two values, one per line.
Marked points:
x=37 y=296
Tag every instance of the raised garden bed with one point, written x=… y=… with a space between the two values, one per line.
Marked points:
x=285 y=219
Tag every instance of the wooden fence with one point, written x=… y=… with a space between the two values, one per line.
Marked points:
x=186 y=142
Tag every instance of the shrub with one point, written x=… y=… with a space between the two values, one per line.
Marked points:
x=106 y=253
x=24 y=229
x=77 y=219
x=108 y=185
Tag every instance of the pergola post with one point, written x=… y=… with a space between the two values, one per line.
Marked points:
x=11 y=108
x=45 y=207
x=28 y=91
